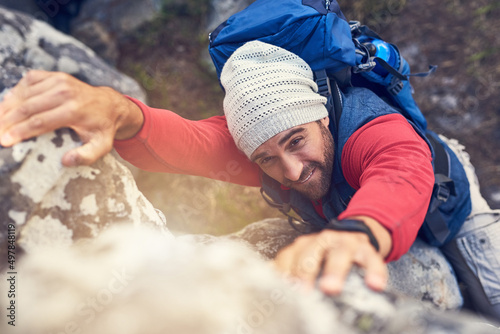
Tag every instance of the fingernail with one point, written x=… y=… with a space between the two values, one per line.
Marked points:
x=72 y=160
x=7 y=140
x=331 y=284
x=306 y=287
x=376 y=282
x=8 y=95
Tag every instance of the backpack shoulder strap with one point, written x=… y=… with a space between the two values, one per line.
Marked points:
x=329 y=88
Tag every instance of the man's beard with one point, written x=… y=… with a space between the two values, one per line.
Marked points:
x=319 y=188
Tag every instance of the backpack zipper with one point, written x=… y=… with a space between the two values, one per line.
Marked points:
x=327 y=4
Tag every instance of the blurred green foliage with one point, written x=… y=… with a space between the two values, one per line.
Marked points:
x=375 y=13
x=185 y=8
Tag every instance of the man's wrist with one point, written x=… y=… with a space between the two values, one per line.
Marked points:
x=130 y=118
x=353 y=225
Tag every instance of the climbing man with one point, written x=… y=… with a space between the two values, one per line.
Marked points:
x=362 y=187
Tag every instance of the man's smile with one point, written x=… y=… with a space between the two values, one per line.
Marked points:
x=307 y=178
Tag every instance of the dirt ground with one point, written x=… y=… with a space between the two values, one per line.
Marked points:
x=460 y=100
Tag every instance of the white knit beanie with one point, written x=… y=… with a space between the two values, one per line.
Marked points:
x=268 y=90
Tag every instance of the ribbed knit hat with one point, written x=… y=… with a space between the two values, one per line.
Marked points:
x=268 y=90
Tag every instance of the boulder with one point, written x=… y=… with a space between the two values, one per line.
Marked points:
x=134 y=280
x=102 y=24
x=221 y=10
x=119 y=18
x=26 y=43
x=423 y=273
x=42 y=200
x=44 y=203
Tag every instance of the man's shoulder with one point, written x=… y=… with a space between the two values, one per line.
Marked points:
x=359 y=99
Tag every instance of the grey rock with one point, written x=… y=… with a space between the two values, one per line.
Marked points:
x=44 y=203
x=43 y=200
x=422 y=274
x=101 y=24
x=26 y=43
x=390 y=312
x=133 y=280
x=267 y=237
x=95 y=35
x=221 y=10
x=118 y=17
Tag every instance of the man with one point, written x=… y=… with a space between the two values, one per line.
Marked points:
x=276 y=123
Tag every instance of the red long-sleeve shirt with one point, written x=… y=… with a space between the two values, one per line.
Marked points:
x=385 y=161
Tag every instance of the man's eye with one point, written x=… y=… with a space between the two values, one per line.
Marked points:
x=265 y=160
x=296 y=141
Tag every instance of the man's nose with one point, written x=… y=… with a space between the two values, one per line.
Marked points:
x=292 y=168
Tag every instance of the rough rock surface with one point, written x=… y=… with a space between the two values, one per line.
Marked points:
x=423 y=273
x=117 y=17
x=100 y=24
x=221 y=10
x=133 y=280
x=26 y=43
x=46 y=203
x=268 y=236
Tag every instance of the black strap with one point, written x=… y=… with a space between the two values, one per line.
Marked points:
x=329 y=88
x=444 y=187
x=353 y=225
x=441 y=160
x=436 y=224
x=323 y=82
x=391 y=69
x=337 y=103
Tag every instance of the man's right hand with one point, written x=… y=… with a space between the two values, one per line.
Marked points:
x=45 y=101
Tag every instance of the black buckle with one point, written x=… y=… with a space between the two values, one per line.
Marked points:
x=395 y=86
x=323 y=82
x=442 y=193
x=294 y=219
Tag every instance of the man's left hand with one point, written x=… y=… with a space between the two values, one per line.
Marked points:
x=333 y=254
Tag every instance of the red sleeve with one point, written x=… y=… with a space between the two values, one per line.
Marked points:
x=390 y=166
x=172 y=144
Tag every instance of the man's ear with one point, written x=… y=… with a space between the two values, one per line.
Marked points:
x=325 y=121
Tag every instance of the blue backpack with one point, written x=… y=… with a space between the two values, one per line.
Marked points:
x=318 y=32
x=342 y=54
